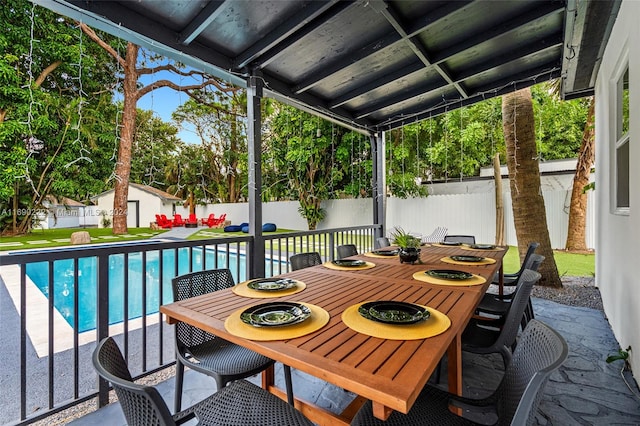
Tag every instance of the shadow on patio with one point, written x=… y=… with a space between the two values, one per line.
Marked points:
x=586 y=390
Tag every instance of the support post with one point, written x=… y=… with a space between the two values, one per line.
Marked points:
x=379 y=181
x=254 y=145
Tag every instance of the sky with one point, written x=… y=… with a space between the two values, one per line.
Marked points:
x=164 y=101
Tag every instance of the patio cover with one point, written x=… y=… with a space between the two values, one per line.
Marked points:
x=370 y=65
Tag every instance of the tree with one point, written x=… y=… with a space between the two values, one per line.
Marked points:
x=316 y=160
x=220 y=124
x=54 y=102
x=576 y=230
x=155 y=148
x=529 y=213
x=132 y=91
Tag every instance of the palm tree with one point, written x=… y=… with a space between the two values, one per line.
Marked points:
x=529 y=215
x=576 y=231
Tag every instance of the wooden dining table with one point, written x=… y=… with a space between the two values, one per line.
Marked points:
x=389 y=372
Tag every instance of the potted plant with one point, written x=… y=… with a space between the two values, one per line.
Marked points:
x=409 y=245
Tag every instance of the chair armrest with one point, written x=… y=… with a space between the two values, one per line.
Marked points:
x=482 y=411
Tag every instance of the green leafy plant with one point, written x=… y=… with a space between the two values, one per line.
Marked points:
x=621 y=355
x=403 y=239
x=106 y=222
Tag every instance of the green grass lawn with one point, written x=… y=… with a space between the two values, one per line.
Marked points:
x=570 y=264
x=42 y=238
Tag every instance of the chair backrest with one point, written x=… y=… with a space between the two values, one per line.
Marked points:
x=346 y=250
x=469 y=239
x=540 y=351
x=196 y=284
x=142 y=405
x=305 y=260
x=436 y=236
x=531 y=249
x=519 y=303
x=382 y=242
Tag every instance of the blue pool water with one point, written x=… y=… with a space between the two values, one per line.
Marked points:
x=87 y=287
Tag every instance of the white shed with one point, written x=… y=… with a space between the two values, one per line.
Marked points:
x=143 y=203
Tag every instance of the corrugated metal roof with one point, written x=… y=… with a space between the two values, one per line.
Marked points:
x=372 y=65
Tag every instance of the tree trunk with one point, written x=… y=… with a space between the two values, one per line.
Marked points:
x=529 y=213
x=497 y=176
x=123 y=166
x=576 y=239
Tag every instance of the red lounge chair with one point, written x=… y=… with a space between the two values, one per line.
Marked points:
x=207 y=221
x=212 y=221
x=219 y=221
x=178 y=220
x=192 y=219
x=163 y=222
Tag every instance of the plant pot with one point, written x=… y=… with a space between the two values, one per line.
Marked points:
x=409 y=255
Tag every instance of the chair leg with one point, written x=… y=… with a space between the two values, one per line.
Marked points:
x=288 y=384
x=179 y=381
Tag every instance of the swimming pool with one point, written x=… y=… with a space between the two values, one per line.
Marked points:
x=63 y=273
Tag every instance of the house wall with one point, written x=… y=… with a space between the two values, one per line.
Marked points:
x=618 y=234
x=149 y=205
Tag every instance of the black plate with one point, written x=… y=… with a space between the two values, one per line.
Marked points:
x=349 y=263
x=272 y=284
x=467 y=258
x=391 y=312
x=451 y=243
x=275 y=314
x=449 y=274
x=482 y=246
x=386 y=252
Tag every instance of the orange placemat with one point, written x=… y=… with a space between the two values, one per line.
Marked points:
x=318 y=319
x=485 y=261
x=242 y=289
x=367 y=265
x=436 y=324
x=380 y=256
x=474 y=280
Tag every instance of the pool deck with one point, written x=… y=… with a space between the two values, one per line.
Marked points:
x=584 y=391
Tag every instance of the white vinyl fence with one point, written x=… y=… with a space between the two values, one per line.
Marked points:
x=462 y=213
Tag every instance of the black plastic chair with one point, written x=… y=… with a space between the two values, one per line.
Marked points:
x=347 y=250
x=496 y=307
x=206 y=353
x=468 y=239
x=540 y=352
x=483 y=337
x=510 y=279
x=239 y=404
x=305 y=260
x=382 y=242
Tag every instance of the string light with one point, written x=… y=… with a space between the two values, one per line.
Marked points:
x=461 y=145
x=81 y=96
x=31 y=141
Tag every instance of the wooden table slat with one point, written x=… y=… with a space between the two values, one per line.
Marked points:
x=389 y=372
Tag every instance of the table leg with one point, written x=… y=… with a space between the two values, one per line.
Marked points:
x=501 y=280
x=454 y=365
x=268 y=377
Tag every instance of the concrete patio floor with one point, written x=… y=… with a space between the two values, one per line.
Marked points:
x=584 y=391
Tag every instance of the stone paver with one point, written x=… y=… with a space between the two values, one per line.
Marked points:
x=584 y=391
